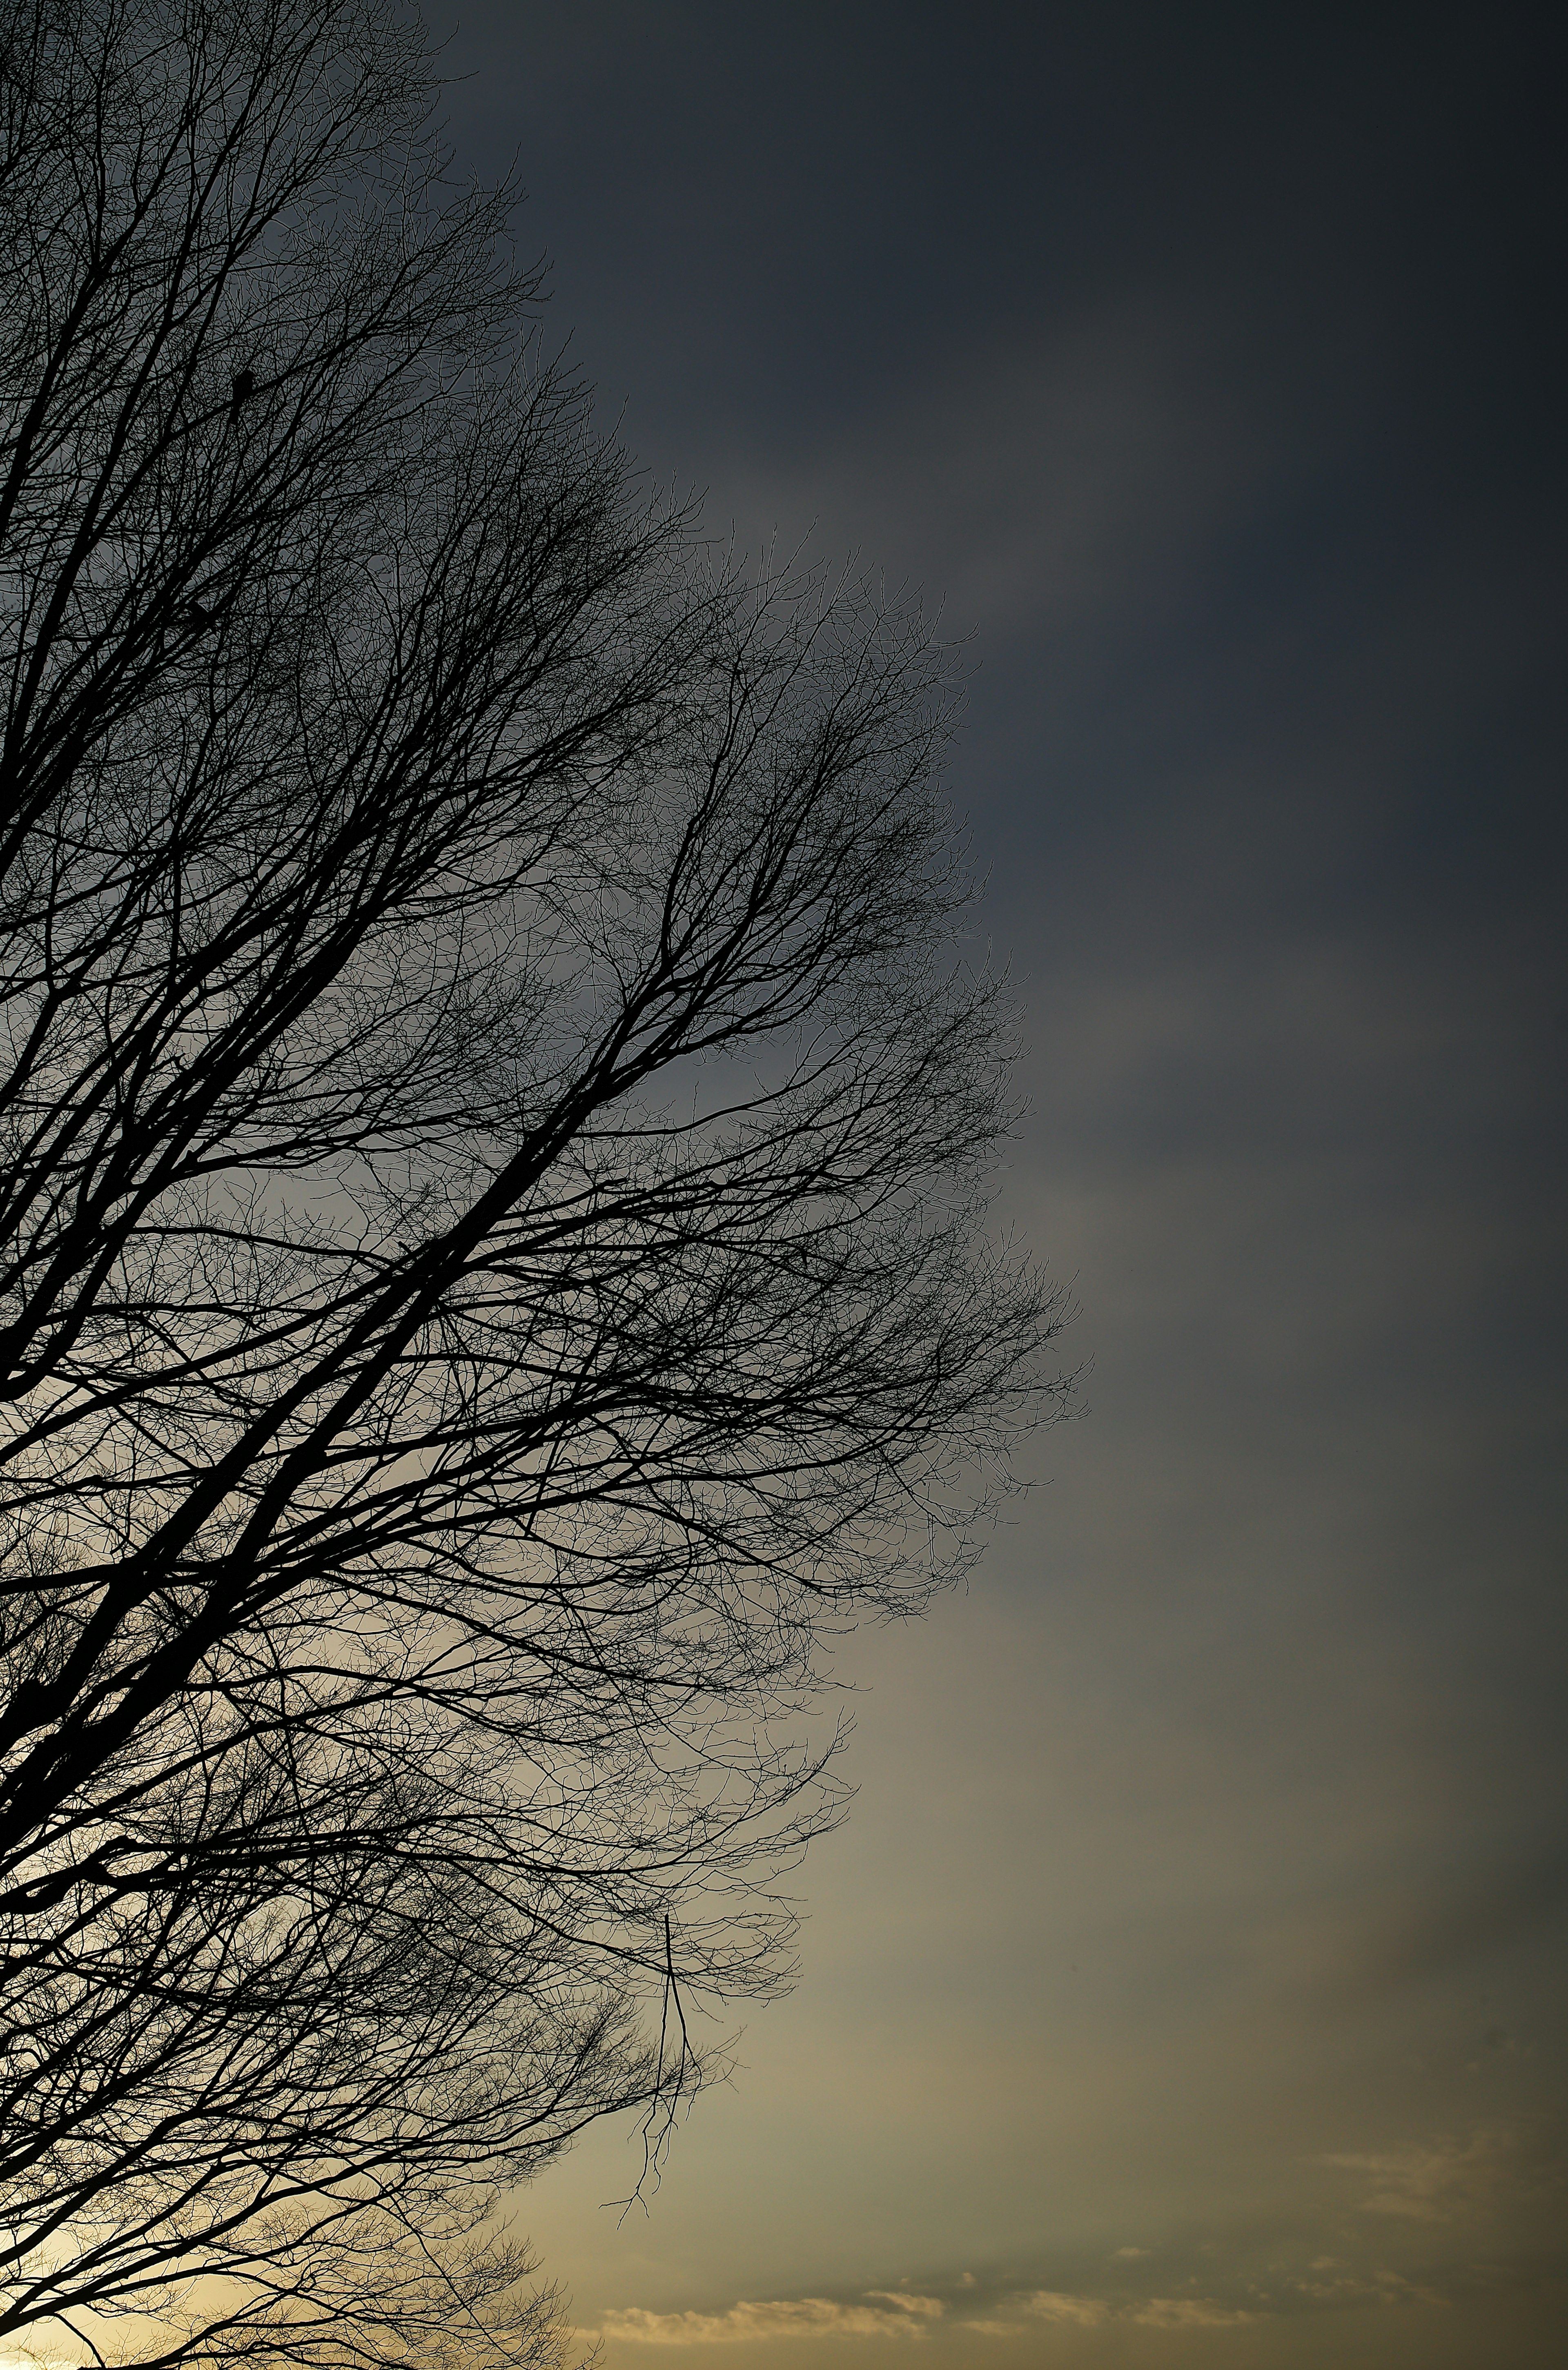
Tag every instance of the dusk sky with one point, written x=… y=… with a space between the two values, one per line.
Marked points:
x=1188 y=1985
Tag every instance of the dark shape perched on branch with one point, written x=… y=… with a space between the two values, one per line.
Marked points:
x=489 y=1272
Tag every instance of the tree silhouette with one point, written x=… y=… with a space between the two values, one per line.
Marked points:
x=490 y=1273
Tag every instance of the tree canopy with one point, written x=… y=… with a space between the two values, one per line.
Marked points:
x=492 y=1266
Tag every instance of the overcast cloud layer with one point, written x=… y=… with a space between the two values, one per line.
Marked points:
x=1189 y=1984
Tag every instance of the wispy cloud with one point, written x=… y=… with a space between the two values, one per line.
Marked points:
x=1189 y=2312
x=1431 y=2183
x=885 y=2313
x=1047 y=2304
x=1159 y=2312
x=1333 y=2284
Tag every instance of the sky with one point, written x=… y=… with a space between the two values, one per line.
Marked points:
x=1188 y=1985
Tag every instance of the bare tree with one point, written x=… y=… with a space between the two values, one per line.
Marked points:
x=490 y=1273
